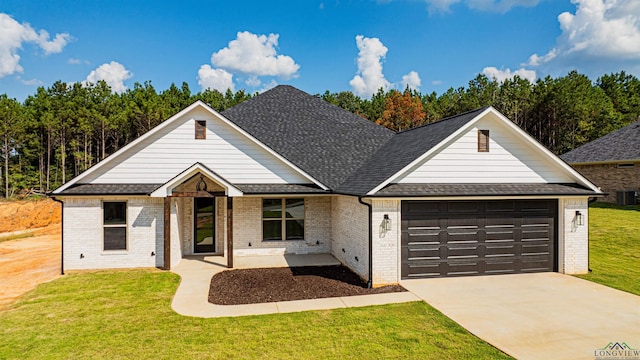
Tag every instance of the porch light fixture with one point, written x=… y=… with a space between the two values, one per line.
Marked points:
x=579 y=218
x=386 y=223
x=153 y=253
x=201 y=185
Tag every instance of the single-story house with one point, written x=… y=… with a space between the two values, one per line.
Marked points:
x=288 y=173
x=612 y=162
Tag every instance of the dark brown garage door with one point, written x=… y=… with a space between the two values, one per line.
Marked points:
x=462 y=238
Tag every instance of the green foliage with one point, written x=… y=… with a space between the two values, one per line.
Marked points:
x=128 y=315
x=60 y=131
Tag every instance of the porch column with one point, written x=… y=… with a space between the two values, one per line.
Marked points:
x=229 y=232
x=167 y=233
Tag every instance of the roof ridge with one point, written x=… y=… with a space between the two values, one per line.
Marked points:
x=447 y=118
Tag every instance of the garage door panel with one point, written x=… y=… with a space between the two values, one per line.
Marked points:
x=477 y=237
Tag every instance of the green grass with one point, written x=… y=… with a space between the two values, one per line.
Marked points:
x=25 y=235
x=127 y=315
x=614 y=246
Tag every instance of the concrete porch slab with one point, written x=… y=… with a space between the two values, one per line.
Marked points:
x=192 y=296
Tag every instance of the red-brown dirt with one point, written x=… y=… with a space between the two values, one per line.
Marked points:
x=34 y=259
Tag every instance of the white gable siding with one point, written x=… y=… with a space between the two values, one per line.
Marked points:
x=510 y=159
x=225 y=151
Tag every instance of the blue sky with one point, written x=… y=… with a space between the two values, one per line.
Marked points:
x=314 y=45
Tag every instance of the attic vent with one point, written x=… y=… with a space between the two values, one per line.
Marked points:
x=201 y=127
x=625 y=165
x=483 y=140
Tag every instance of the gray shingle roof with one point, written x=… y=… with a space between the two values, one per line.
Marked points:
x=428 y=190
x=111 y=189
x=327 y=142
x=622 y=144
x=401 y=150
x=280 y=189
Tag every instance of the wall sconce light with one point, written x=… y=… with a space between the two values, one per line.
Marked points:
x=357 y=259
x=153 y=253
x=81 y=256
x=249 y=244
x=579 y=218
x=386 y=223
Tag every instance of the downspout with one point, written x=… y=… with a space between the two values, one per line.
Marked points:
x=61 y=234
x=370 y=282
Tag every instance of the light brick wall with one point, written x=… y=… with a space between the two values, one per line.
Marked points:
x=573 y=246
x=611 y=179
x=386 y=244
x=247 y=229
x=83 y=234
x=350 y=234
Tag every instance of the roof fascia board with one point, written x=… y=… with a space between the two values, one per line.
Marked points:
x=482 y=197
x=164 y=190
x=427 y=154
x=150 y=133
x=608 y=162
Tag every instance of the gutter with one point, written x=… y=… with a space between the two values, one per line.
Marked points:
x=61 y=234
x=370 y=281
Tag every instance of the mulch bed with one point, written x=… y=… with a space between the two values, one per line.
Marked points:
x=252 y=286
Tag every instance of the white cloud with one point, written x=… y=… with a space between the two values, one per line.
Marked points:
x=436 y=82
x=600 y=30
x=502 y=75
x=13 y=35
x=254 y=54
x=369 y=77
x=113 y=73
x=268 y=86
x=215 y=79
x=74 y=61
x=253 y=81
x=502 y=6
x=411 y=80
x=31 y=82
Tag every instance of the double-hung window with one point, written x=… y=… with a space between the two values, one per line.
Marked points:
x=282 y=219
x=114 y=223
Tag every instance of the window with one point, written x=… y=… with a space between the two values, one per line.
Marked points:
x=114 y=225
x=201 y=129
x=483 y=140
x=282 y=219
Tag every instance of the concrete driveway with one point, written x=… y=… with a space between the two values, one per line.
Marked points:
x=537 y=316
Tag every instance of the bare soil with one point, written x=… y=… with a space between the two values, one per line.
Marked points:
x=252 y=286
x=34 y=259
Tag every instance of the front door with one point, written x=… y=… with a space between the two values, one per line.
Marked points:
x=204 y=225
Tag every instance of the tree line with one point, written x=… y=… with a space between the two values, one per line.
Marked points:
x=62 y=130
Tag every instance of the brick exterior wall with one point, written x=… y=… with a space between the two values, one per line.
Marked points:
x=610 y=178
x=83 y=233
x=247 y=229
x=573 y=241
x=386 y=244
x=350 y=234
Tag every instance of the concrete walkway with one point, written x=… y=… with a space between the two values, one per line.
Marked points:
x=191 y=298
x=536 y=316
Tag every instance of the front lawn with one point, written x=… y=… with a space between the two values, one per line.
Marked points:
x=127 y=315
x=614 y=246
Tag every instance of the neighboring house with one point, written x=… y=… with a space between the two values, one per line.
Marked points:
x=288 y=173
x=612 y=162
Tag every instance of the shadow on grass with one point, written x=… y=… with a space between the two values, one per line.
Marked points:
x=603 y=205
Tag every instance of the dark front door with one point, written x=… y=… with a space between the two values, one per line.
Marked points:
x=204 y=225
x=461 y=238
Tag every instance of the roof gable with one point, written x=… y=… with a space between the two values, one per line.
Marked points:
x=324 y=140
x=402 y=150
x=170 y=147
x=620 y=145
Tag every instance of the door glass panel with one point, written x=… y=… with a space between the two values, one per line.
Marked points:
x=204 y=225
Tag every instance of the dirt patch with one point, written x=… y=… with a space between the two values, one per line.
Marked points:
x=28 y=214
x=34 y=256
x=25 y=263
x=252 y=286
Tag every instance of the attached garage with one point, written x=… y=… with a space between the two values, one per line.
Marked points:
x=478 y=237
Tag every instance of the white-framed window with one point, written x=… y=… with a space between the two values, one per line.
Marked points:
x=114 y=225
x=282 y=219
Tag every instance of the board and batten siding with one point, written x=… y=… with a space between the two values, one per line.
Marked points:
x=509 y=160
x=225 y=151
